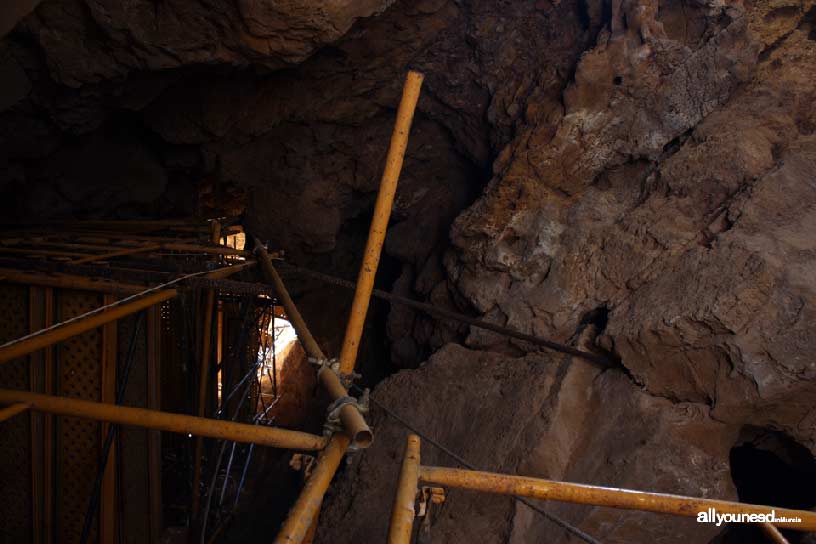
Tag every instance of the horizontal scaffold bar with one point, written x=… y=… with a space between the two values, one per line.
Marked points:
x=10 y=411
x=662 y=503
x=163 y=421
x=62 y=331
x=16 y=349
x=68 y=281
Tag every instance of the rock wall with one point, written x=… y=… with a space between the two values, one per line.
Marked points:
x=673 y=192
x=541 y=415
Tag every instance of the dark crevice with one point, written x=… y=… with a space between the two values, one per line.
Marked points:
x=768 y=467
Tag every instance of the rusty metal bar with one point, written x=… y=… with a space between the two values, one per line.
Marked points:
x=67 y=281
x=161 y=421
x=403 y=513
x=379 y=223
x=31 y=343
x=662 y=503
x=15 y=409
x=353 y=422
x=118 y=253
x=307 y=506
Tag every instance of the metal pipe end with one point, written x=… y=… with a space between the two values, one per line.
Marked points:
x=362 y=439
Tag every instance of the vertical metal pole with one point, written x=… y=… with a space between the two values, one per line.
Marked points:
x=353 y=422
x=204 y=375
x=36 y=320
x=49 y=388
x=107 y=506
x=379 y=223
x=303 y=513
x=153 y=335
x=402 y=514
x=307 y=506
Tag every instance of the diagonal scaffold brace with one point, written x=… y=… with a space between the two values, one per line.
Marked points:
x=303 y=515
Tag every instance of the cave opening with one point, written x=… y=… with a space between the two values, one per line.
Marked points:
x=768 y=467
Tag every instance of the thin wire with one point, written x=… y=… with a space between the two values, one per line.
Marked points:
x=113 y=431
x=430 y=309
x=103 y=308
x=459 y=459
x=243 y=354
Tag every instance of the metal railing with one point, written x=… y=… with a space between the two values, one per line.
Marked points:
x=413 y=473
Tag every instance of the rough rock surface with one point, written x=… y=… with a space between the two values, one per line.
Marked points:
x=645 y=165
x=675 y=193
x=538 y=415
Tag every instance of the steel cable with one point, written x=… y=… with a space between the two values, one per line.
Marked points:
x=459 y=459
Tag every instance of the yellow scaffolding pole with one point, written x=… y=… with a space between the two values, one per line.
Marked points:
x=537 y=488
x=162 y=421
x=10 y=411
x=379 y=223
x=403 y=513
x=48 y=337
x=353 y=422
x=307 y=507
x=16 y=349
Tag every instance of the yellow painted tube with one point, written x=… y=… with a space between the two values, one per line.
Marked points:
x=67 y=281
x=117 y=253
x=379 y=223
x=162 y=421
x=353 y=423
x=16 y=349
x=307 y=506
x=10 y=411
x=403 y=513
x=662 y=503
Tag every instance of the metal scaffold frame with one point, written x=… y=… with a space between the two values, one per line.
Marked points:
x=413 y=473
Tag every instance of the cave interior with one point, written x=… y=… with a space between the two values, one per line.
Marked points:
x=300 y=270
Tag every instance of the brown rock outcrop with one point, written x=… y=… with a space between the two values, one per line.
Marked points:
x=538 y=415
x=674 y=193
